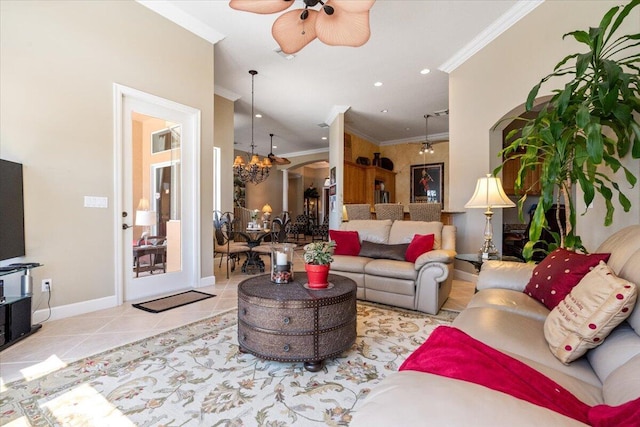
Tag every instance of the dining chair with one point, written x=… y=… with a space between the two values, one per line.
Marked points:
x=320 y=231
x=242 y=216
x=358 y=211
x=425 y=211
x=280 y=229
x=223 y=243
x=299 y=226
x=392 y=211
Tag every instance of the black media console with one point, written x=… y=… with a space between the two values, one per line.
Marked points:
x=15 y=311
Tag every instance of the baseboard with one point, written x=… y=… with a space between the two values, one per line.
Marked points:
x=206 y=281
x=93 y=305
x=75 y=309
x=465 y=275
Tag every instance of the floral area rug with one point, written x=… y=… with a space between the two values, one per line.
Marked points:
x=195 y=376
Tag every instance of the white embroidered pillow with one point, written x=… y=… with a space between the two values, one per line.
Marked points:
x=583 y=319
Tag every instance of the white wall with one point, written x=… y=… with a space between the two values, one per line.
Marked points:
x=496 y=80
x=59 y=63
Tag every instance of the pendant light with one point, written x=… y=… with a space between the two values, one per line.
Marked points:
x=255 y=170
x=426 y=146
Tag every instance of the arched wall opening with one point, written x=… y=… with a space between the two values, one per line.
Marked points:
x=508 y=226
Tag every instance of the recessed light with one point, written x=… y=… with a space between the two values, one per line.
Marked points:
x=425 y=71
x=275 y=146
x=377 y=84
x=259 y=115
x=324 y=138
x=384 y=111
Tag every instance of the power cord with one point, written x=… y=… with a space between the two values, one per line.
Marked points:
x=48 y=306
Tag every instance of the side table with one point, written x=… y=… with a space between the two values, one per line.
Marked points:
x=291 y=323
x=476 y=259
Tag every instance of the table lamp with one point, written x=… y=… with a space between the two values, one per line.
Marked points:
x=266 y=215
x=146 y=219
x=488 y=195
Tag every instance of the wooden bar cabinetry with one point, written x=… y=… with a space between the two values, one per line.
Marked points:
x=360 y=183
x=510 y=174
x=354 y=178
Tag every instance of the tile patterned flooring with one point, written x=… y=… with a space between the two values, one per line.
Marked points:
x=65 y=340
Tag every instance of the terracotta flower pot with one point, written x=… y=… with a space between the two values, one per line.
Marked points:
x=317 y=275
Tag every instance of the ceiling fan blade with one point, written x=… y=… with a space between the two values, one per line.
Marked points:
x=278 y=160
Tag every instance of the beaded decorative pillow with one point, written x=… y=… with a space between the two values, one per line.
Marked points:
x=584 y=318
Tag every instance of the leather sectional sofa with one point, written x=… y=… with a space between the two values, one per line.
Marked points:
x=505 y=318
x=423 y=285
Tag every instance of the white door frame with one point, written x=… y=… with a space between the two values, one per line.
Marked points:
x=190 y=154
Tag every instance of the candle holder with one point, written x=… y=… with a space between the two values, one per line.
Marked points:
x=282 y=263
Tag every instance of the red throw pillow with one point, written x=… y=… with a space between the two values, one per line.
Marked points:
x=347 y=242
x=420 y=244
x=558 y=273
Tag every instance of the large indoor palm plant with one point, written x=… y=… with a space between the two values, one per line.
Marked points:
x=582 y=133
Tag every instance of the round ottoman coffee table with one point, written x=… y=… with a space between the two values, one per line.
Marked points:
x=291 y=323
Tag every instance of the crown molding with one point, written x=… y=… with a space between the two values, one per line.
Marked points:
x=502 y=24
x=226 y=93
x=183 y=19
x=304 y=153
x=361 y=135
x=434 y=138
x=335 y=111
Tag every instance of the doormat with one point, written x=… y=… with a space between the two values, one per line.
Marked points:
x=173 y=301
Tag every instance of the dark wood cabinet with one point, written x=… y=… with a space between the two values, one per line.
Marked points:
x=510 y=174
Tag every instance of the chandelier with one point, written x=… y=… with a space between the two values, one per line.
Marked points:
x=426 y=147
x=255 y=170
x=341 y=23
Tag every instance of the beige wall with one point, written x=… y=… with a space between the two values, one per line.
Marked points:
x=496 y=80
x=269 y=191
x=59 y=63
x=223 y=139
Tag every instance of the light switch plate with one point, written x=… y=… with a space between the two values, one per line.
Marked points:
x=96 y=202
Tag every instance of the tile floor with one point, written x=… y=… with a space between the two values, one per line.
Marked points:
x=65 y=340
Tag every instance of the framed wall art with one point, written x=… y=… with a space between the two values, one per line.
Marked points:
x=427 y=183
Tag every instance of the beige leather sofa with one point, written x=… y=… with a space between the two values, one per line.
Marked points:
x=502 y=316
x=423 y=285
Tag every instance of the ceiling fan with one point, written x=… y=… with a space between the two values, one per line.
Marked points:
x=275 y=159
x=341 y=23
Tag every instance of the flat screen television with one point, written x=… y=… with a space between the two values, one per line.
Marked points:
x=11 y=210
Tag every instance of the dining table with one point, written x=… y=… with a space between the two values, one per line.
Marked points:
x=253 y=236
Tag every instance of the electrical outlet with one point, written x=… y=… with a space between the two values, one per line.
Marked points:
x=46 y=285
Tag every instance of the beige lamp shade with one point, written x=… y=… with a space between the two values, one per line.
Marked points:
x=143 y=205
x=267 y=208
x=145 y=218
x=489 y=194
